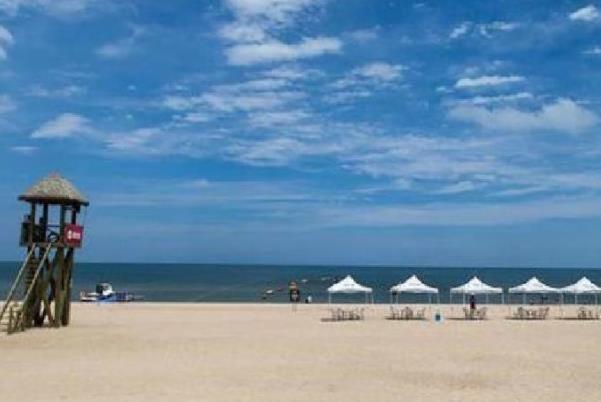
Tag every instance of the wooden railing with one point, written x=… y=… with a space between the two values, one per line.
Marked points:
x=18 y=321
x=11 y=292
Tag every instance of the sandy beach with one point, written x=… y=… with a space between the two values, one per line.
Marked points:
x=252 y=352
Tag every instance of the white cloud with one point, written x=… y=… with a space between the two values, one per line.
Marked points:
x=63 y=126
x=252 y=36
x=563 y=115
x=279 y=151
x=276 y=51
x=226 y=101
x=292 y=73
x=595 y=51
x=24 y=150
x=277 y=119
x=241 y=32
x=361 y=82
x=372 y=74
x=5 y=36
x=456 y=188
x=6 y=104
x=460 y=30
x=276 y=11
x=487 y=80
x=380 y=71
x=486 y=30
x=345 y=96
x=461 y=214
x=363 y=35
x=121 y=48
x=486 y=100
x=194 y=117
x=263 y=84
x=55 y=8
x=587 y=14
x=6 y=39
x=55 y=93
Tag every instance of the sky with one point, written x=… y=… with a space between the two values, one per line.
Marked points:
x=310 y=131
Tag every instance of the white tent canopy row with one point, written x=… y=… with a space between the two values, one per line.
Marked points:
x=348 y=286
x=582 y=287
x=412 y=285
x=533 y=286
x=476 y=287
x=473 y=287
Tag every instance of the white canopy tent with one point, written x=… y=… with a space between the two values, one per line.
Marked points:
x=583 y=287
x=415 y=286
x=533 y=286
x=348 y=286
x=476 y=287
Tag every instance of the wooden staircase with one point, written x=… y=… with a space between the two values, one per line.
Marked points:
x=11 y=317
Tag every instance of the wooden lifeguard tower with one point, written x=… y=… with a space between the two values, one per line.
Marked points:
x=42 y=287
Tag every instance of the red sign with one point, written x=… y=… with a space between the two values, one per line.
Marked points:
x=73 y=235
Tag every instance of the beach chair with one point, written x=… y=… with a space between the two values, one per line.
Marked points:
x=520 y=313
x=544 y=313
x=395 y=314
x=481 y=313
x=420 y=314
x=407 y=313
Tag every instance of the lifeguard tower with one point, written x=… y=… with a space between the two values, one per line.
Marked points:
x=51 y=233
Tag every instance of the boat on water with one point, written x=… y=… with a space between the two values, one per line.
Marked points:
x=105 y=293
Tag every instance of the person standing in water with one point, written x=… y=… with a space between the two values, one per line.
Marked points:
x=294 y=294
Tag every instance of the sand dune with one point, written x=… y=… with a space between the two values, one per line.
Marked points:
x=251 y=352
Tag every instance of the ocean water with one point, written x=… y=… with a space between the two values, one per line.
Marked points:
x=247 y=283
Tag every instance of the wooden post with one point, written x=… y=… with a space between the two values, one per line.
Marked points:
x=62 y=224
x=10 y=320
x=58 y=286
x=31 y=224
x=45 y=223
x=69 y=265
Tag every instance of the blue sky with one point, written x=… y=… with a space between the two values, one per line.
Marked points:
x=310 y=131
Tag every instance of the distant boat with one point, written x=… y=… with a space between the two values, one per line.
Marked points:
x=105 y=293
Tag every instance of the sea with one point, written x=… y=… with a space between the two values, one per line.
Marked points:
x=269 y=283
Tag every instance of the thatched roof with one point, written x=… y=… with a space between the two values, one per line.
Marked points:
x=54 y=189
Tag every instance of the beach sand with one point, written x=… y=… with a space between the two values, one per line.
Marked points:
x=253 y=352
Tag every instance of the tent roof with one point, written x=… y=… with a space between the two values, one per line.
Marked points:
x=476 y=286
x=348 y=285
x=533 y=286
x=583 y=286
x=54 y=189
x=413 y=285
